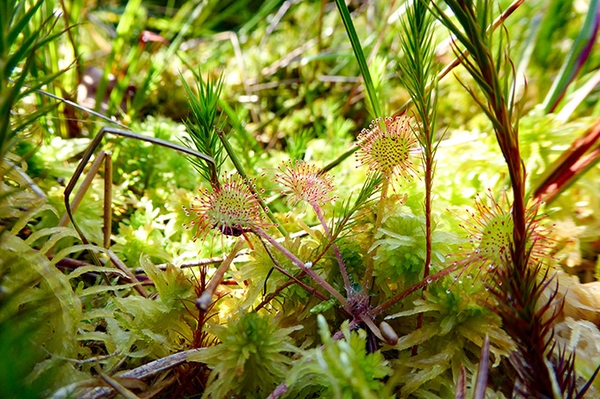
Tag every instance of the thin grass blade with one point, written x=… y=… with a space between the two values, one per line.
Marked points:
x=580 y=52
x=375 y=107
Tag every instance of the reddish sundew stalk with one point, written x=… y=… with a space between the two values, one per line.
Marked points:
x=335 y=248
x=386 y=147
x=306 y=267
x=414 y=288
x=304 y=182
x=368 y=277
x=234 y=210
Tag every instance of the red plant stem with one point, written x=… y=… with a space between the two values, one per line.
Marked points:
x=305 y=268
x=428 y=240
x=515 y=282
x=508 y=140
x=569 y=165
x=335 y=248
x=423 y=283
x=206 y=297
x=309 y=289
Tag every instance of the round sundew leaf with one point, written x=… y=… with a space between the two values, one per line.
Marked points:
x=231 y=209
x=304 y=182
x=386 y=147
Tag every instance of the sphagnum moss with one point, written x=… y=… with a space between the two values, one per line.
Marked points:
x=251 y=358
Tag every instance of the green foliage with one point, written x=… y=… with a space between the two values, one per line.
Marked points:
x=143 y=234
x=203 y=126
x=554 y=21
x=19 y=43
x=457 y=322
x=251 y=359
x=295 y=93
x=373 y=105
x=133 y=13
x=145 y=166
x=340 y=368
x=39 y=313
x=401 y=246
x=16 y=337
x=134 y=327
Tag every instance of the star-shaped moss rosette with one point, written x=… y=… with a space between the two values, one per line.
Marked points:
x=387 y=147
x=254 y=355
x=230 y=208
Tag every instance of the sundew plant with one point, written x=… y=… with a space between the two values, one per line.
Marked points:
x=227 y=200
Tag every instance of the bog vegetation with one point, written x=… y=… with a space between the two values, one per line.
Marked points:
x=299 y=199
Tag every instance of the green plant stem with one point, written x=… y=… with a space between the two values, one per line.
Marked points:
x=368 y=277
x=428 y=154
x=261 y=233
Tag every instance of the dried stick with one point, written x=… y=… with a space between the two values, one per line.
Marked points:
x=148 y=370
x=205 y=299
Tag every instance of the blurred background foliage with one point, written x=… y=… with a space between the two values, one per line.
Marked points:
x=291 y=89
